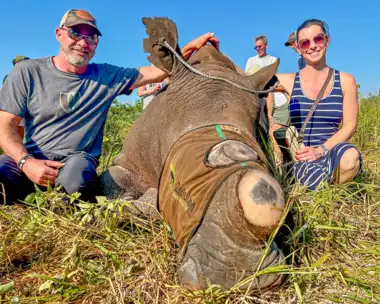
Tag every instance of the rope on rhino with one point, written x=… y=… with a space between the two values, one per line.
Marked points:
x=194 y=70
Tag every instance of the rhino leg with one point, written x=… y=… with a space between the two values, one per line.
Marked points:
x=119 y=182
x=231 y=241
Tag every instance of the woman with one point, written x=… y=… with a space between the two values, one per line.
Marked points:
x=327 y=157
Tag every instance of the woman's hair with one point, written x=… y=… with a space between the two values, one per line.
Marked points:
x=310 y=22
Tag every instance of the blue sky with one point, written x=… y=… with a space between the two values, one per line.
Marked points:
x=29 y=29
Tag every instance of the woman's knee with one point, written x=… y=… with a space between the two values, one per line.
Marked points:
x=350 y=160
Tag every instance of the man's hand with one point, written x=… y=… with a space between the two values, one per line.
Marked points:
x=42 y=172
x=309 y=154
x=197 y=43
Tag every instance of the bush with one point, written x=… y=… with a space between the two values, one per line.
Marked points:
x=119 y=120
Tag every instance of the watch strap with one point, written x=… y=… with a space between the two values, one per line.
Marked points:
x=23 y=159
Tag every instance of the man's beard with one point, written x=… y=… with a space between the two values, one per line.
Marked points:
x=75 y=59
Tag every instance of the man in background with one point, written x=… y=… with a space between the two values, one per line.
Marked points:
x=255 y=63
x=262 y=58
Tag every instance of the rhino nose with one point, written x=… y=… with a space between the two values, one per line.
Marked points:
x=261 y=198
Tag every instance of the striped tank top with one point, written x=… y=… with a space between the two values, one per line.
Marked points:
x=327 y=117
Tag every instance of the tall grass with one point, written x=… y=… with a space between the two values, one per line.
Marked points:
x=53 y=251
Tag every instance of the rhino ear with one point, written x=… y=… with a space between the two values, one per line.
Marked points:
x=264 y=77
x=160 y=30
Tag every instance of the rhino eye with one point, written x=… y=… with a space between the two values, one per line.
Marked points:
x=230 y=152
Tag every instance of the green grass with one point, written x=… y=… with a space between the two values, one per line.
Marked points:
x=56 y=252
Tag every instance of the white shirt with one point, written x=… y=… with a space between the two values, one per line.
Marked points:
x=255 y=63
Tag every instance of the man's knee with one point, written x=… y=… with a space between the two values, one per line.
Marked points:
x=350 y=161
x=79 y=175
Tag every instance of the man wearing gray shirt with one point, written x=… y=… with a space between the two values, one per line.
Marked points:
x=64 y=100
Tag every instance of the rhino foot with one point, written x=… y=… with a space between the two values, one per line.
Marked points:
x=119 y=182
x=147 y=203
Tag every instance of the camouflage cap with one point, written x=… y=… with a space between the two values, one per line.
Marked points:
x=19 y=58
x=291 y=39
x=75 y=16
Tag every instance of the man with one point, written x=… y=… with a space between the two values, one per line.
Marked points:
x=292 y=43
x=64 y=101
x=16 y=60
x=262 y=59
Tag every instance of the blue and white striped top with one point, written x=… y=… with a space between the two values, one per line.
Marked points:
x=327 y=117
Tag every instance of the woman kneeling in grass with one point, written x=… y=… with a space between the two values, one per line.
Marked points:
x=327 y=156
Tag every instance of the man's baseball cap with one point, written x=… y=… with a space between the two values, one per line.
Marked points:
x=76 y=16
x=291 y=39
x=19 y=58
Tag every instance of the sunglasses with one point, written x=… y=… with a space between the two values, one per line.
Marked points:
x=318 y=40
x=90 y=39
x=259 y=47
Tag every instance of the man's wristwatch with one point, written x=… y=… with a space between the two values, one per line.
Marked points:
x=325 y=150
x=23 y=159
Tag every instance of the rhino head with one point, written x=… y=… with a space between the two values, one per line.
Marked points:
x=230 y=243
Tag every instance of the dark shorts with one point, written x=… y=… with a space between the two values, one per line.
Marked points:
x=78 y=175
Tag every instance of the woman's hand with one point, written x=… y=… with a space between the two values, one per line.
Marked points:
x=309 y=154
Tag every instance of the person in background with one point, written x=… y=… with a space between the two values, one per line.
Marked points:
x=255 y=63
x=292 y=43
x=16 y=60
x=148 y=91
x=278 y=116
x=262 y=58
x=21 y=126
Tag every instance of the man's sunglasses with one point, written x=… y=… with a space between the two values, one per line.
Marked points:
x=259 y=47
x=318 y=40
x=90 y=39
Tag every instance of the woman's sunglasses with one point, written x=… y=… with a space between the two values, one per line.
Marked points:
x=318 y=40
x=90 y=39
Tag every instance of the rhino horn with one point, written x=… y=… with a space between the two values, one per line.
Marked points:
x=265 y=77
x=160 y=30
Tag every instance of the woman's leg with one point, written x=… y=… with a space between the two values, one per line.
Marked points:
x=349 y=166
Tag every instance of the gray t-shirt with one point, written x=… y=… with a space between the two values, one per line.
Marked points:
x=64 y=113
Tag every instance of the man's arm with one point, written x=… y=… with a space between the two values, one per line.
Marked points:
x=151 y=74
x=41 y=172
x=10 y=140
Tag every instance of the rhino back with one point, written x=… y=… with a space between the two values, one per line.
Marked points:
x=189 y=102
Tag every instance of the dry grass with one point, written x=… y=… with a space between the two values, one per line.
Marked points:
x=57 y=252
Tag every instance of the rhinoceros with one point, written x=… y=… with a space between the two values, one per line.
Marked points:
x=192 y=157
